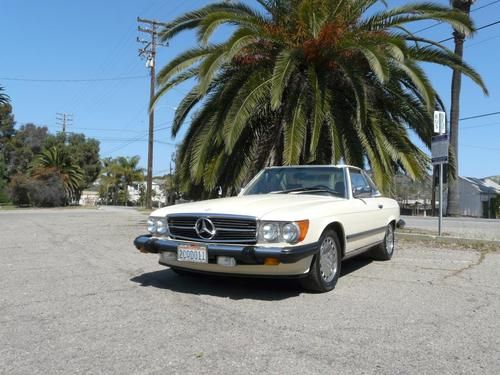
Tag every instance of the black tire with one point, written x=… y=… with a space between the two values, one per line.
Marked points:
x=386 y=249
x=325 y=267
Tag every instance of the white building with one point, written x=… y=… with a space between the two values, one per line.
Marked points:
x=159 y=198
x=477 y=196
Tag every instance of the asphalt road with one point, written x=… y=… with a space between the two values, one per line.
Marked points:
x=76 y=297
x=483 y=229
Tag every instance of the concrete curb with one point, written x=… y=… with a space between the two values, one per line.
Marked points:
x=447 y=239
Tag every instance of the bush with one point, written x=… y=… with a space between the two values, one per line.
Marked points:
x=46 y=190
x=19 y=190
x=4 y=197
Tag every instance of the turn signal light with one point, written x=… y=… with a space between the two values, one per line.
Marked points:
x=303 y=226
x=271 y=261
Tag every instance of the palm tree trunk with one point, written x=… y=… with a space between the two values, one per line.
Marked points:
x=453 y=207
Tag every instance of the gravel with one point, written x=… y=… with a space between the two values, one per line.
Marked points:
x=78 y=298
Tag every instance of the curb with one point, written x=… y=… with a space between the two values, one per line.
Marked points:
x=447 y=239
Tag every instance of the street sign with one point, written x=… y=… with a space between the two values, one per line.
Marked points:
x=439 y=122
x=439 y=149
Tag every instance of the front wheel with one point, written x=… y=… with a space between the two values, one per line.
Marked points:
x=325 y=268
x=385 y=250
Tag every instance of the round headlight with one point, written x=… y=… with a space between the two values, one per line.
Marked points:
x=161 y=227
x=270 y=232
x=290 y=232
x=151 y=225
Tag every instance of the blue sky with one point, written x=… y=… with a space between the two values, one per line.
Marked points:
x=47 y=42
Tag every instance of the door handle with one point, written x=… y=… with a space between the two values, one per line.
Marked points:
x=381 y=206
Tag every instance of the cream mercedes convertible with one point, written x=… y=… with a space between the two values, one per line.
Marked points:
x=299 y=221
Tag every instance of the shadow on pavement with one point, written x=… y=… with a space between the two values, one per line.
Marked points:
x=236 y=288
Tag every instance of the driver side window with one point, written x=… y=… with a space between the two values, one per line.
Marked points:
x=359 y=184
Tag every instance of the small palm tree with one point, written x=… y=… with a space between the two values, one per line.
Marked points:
x=120 y=173
x=4 y=98
x=58 y=161
x=307 y=81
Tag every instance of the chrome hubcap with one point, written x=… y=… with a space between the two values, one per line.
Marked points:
x=389 y=240
x=328 y=259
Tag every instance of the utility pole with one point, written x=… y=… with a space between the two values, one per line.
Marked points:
x=453 y=207
x=64 y=120
x=149 y=52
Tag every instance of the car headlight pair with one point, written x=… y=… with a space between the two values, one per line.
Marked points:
x=157 y=225
x=278 y=231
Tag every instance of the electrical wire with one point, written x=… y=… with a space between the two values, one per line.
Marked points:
x=441 y=22
x=119 y=78
x=480 y=126
x=479 y=116
x=479 y=28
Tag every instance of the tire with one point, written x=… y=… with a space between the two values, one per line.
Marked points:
x=325 y=268
x=386 y=249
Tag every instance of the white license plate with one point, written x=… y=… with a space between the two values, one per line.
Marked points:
x=192 y=253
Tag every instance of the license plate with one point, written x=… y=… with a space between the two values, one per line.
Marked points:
x=192 y=253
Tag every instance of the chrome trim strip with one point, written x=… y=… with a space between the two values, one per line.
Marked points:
x=357 y=236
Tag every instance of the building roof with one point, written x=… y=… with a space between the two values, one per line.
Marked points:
x=485 y=186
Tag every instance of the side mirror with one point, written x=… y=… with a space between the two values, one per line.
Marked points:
x=360 y=192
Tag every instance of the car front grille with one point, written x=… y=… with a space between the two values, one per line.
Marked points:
x=228 y=229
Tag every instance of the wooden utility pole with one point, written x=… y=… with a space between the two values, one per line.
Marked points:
x=64 y=120
x=453 y=207
x=149 y=52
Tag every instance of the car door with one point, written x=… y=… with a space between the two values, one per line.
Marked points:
x=367 y=218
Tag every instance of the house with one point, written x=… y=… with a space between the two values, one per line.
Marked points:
x=158 y=197
x=89 y=198
x=478 y=197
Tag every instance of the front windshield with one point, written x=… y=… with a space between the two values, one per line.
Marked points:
x=313 y=180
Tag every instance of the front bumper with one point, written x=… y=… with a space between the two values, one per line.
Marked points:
x=244 y=254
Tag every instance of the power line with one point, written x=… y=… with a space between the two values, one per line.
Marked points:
x=480 y=125
x=483 y=41
x=479 y=116
x=481 y=147
x=441 y=22
x=479 y=28
x=122 y=78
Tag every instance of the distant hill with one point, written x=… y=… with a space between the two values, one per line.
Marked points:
x=495 y=178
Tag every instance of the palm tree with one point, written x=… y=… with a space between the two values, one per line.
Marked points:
x=4 y=98
x=119 y=173
x=307 y=81
x=59 y=162
x=453 y=208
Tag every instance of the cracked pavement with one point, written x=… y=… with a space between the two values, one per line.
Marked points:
x=78 y=298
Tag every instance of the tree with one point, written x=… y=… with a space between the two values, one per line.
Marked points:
x=58 y=162
x=4 y=98
x=84 y=153
x=453 y=207
x=22 y=147
x=7 y=130
x=118 y=174
x=306 y=81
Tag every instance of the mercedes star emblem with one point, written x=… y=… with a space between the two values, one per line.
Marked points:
x=205 y=228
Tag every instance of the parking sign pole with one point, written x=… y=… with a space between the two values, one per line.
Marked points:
x=440 y=198
x=439 y=150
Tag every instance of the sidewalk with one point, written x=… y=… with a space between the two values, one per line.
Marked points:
x=465 y=230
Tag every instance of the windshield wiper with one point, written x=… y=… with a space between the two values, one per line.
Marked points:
x=309 y=190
